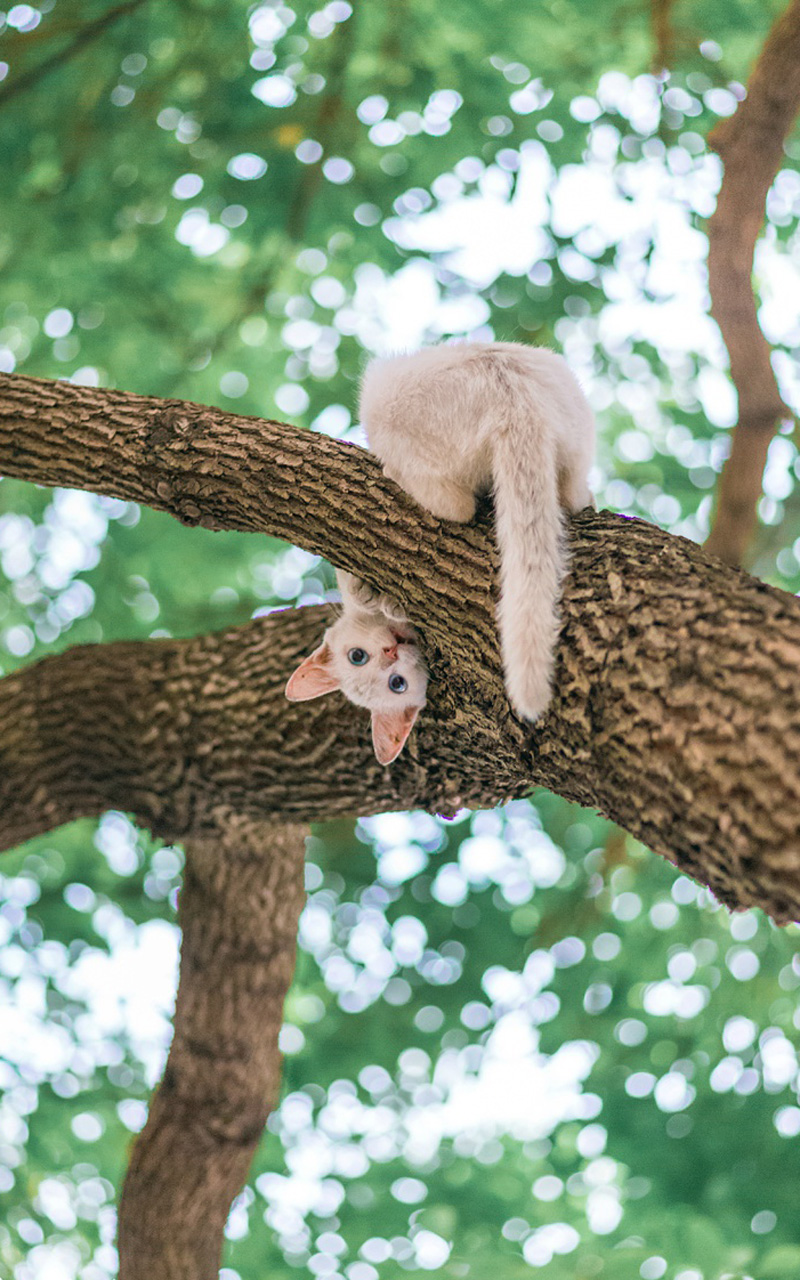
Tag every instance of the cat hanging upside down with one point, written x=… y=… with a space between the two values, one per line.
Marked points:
x=371 y=654
x=449 y=423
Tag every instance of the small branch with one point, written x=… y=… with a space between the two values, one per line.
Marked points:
x=301 y=202
x=239 y=906
x=663 y=36
x=87 y=35
x=750 y=143
x=331 y=108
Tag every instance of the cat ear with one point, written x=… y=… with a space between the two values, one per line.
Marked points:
x=314 y=677
x=390 y=729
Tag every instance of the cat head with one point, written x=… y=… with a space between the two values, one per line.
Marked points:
x=376 y=665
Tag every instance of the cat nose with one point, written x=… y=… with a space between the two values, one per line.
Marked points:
x=391 y=653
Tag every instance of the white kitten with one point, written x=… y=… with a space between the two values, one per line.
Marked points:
x=371 y=654
x=451 y=422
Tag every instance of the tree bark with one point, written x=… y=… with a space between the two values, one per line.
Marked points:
x=239 y=905
x=677 y=710
x=750 y=143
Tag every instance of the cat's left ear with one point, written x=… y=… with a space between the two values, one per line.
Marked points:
x=314 y=677
x=390 y=729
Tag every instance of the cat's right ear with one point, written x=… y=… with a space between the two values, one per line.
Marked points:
x=314 y=677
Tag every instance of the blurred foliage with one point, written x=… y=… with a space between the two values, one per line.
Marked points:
x=515 y=1042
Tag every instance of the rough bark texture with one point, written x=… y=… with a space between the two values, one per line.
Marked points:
x=678 y=679
x=239 y=905
x=750 y=143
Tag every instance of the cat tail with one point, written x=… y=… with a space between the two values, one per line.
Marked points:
x=531 y=537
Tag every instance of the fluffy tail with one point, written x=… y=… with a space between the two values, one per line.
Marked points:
x=530 y=533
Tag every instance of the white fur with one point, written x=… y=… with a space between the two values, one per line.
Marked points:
x=387 y=645
x=453 y=421
x=373 y=623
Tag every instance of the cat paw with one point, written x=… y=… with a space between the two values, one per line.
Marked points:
x=356 y=589
x=391 y=610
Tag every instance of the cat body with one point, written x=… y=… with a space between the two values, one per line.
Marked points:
x=449 y=423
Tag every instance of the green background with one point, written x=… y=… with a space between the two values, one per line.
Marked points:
x=517 y=1042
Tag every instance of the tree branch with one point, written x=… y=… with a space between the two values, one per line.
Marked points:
x=750 y=143
x=85 y=36
x=226 y=471
x=239 y=905
x=663 y=36
x=677 y=710
x=299 y=207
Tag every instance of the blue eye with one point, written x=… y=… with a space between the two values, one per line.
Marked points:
x=397 y=684
x=358 y=657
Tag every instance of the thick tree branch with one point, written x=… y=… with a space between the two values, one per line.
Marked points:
x=241 y=898
x=226 y=471
x=678 y=681
x=750 y=143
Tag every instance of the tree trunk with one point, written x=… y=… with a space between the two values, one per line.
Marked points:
x=677 y=710
x=239 y=905
x=751 y=146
